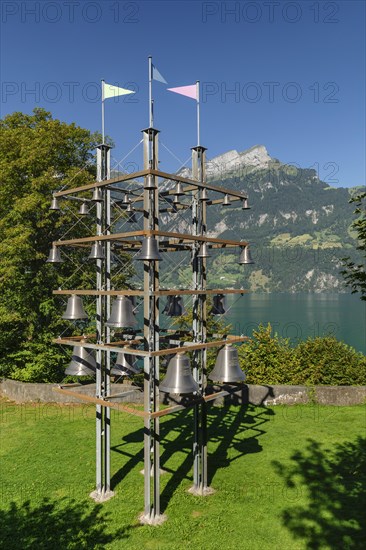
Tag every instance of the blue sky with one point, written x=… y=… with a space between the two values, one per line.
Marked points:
x=297 y=70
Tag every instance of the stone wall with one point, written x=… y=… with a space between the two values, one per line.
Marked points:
x=23 y=392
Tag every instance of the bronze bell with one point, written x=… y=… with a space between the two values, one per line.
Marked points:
x=245 y=205
x=226 y=201
x=149 y=250
x=75 y=309
x=178 y=378
x=122 y=315
x=83 y=210
x=227 y=369
x=125 y=364
x=218 y=306
x=54 y=204
x=97 y=195
x=97 y=252
x=54 y=256
x=82 y=363
x=245 y=256
x=203 y=251
x=126 y=199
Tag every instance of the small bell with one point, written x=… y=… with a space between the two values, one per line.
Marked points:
x=129 y=207
x=174 y=307
x=149 y=250
x=204 y=195
x=74 y=309
x=218 y=306
x=150 y=182
x=226 y=201
x=203 y=251
x=97 y=252
x=176 y=200
x=178 y=378
x=245 y=205
x=227 y=369
x=126 y=199
x=54 y=204
x=54 y=256
x=97 y=195
x=245 y=256
x=122 y=315
x=83 y=210
x=179 y=189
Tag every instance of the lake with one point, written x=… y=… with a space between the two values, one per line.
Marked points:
x=298 y=316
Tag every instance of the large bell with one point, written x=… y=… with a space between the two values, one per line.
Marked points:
x=174 y=307
x=82 y=363
x=227 y=369
x=125 y=365
x=54 y=204
x=149 y=250
x=245 y=256
x=54 y=256
x=178 y=378
x=97 y=195
x=97 y=252
x=218 y=306
x=203 y=251
x=83 y=210
x=122 y=315
x=75 y=309
x=150 y=182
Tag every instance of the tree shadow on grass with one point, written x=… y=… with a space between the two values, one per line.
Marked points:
x=63 y=524
x=335 y=485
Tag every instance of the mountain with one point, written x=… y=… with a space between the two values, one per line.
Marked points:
x=299 y=227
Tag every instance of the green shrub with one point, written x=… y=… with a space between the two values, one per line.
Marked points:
x=268 y=359
x=326 y=361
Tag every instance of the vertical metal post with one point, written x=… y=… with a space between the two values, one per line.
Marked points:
x=200 y=486
x=151 y=514
x=102 y=491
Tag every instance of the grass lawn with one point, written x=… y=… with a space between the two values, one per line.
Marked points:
x=286 y=477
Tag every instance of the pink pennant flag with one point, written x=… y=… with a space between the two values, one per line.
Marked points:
x=188 y=91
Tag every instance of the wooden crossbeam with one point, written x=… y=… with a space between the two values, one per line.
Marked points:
x=177 y=292
x=164 y=175
x=186 y=237
x=157 y=353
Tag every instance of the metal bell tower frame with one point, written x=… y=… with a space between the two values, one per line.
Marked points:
x=151 y=341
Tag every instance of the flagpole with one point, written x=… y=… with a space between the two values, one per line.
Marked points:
x=198 y=111
x=151 y=121
x=102 y=111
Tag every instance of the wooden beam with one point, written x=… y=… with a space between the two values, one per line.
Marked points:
x=192 y=347
x=177 y=292
x=89 y=186
x=102 y=402
x=151 y=232
x=202 y=185
x=101 y=292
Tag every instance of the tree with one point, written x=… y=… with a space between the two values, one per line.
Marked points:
x=39 y=155
x=355 y=274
